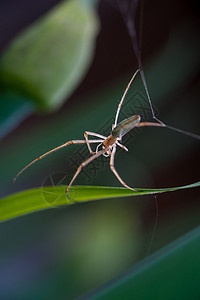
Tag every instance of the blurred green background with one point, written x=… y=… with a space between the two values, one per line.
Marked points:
x=63 y=253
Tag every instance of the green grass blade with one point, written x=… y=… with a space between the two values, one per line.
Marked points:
x=171 y=273
x=37 y=199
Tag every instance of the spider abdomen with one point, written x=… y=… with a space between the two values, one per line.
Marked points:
x=124 y=126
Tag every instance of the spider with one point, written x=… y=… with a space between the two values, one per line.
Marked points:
x=110 y=143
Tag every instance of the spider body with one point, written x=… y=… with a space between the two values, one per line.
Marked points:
x=109 y=141
x=118 y=132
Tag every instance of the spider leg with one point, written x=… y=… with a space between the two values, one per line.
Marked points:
x=124 y=95
x=85 y=163
x=97 y=148
x=142 y=124
x=150 y=124
x=107 y=153
x=86 y=133
x=55 y=149
x=112 y=167
x=122 y=146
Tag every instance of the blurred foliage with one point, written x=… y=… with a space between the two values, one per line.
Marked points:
x=182 y=257
x=47 y=60
x=45 y=63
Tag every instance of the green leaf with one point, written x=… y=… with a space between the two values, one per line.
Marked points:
x=46 y=62
x=32 y=200
x=171 y=273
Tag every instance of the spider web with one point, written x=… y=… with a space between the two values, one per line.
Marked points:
x=128 y=9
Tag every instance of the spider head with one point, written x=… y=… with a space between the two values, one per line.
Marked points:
x=107 y=153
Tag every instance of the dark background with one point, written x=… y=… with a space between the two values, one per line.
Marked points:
x=43 y=254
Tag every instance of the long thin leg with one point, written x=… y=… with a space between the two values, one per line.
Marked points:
x=149 y=124
x=85 y=163
x=124 y=95
x=86 y=133
x=122 y=146
x=55 y=149
x=142 y=124
x=112 y=167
